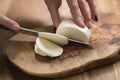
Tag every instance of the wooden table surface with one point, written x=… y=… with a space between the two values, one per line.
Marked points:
x=110 y=72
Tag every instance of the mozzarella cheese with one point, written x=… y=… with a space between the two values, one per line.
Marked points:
x=47 y=44
x=46 y=48
x=69 y=29
x=55 y=38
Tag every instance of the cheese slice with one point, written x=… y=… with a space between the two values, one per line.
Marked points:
x=46 y=48
x=55 y=38
x=69 y=29
x=47 y=44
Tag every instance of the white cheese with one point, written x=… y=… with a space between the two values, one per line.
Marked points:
x=46 y=48
x=69 y=29
x=55 y=38
x=47 y=44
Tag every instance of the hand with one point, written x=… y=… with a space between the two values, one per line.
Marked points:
x=9 y=23
x=86 y=7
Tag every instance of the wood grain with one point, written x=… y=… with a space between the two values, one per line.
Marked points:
x=105 y=11
x=105 y=38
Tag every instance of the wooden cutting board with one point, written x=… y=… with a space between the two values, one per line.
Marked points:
x=76 y=58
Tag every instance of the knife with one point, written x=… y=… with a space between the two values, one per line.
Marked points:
x=87 y=44
x=35 y=33
x=22 y=30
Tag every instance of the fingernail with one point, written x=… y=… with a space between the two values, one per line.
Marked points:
x=96 y=18
x=16 y=27
x=54 y=30
x=89 y=25
x=83 y=25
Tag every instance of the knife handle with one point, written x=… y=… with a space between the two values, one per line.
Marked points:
x=22 y=30
x=5 y=28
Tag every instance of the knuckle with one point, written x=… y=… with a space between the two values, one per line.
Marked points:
x=78 y=19
x=73 y=3
x=75 y=7
x=87 y=19
x=82 y=1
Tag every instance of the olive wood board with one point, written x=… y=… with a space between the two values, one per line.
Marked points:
x=76 y=58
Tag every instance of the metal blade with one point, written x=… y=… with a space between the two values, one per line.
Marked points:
x=28 y=31
x=87 y=44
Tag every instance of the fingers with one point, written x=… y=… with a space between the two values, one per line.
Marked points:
x=92 y=9
x=75 y=11
x=53 y=6
x=9 y=23
x=84 y=7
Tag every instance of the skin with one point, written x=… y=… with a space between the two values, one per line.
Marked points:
x=86 y=7
x=9 y=23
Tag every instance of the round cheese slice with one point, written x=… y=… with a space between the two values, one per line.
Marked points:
x=69 y=29
x=55 y=38
x=38 y=51
x=44 y=47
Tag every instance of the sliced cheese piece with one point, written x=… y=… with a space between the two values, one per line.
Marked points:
x=44 y=47
x=69 y=29
x=38 y=51
x=55 y=38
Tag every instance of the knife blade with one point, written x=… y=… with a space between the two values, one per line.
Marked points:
x=87 y=44
x=22 y=30
x=35 y=33
x=28 y=31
